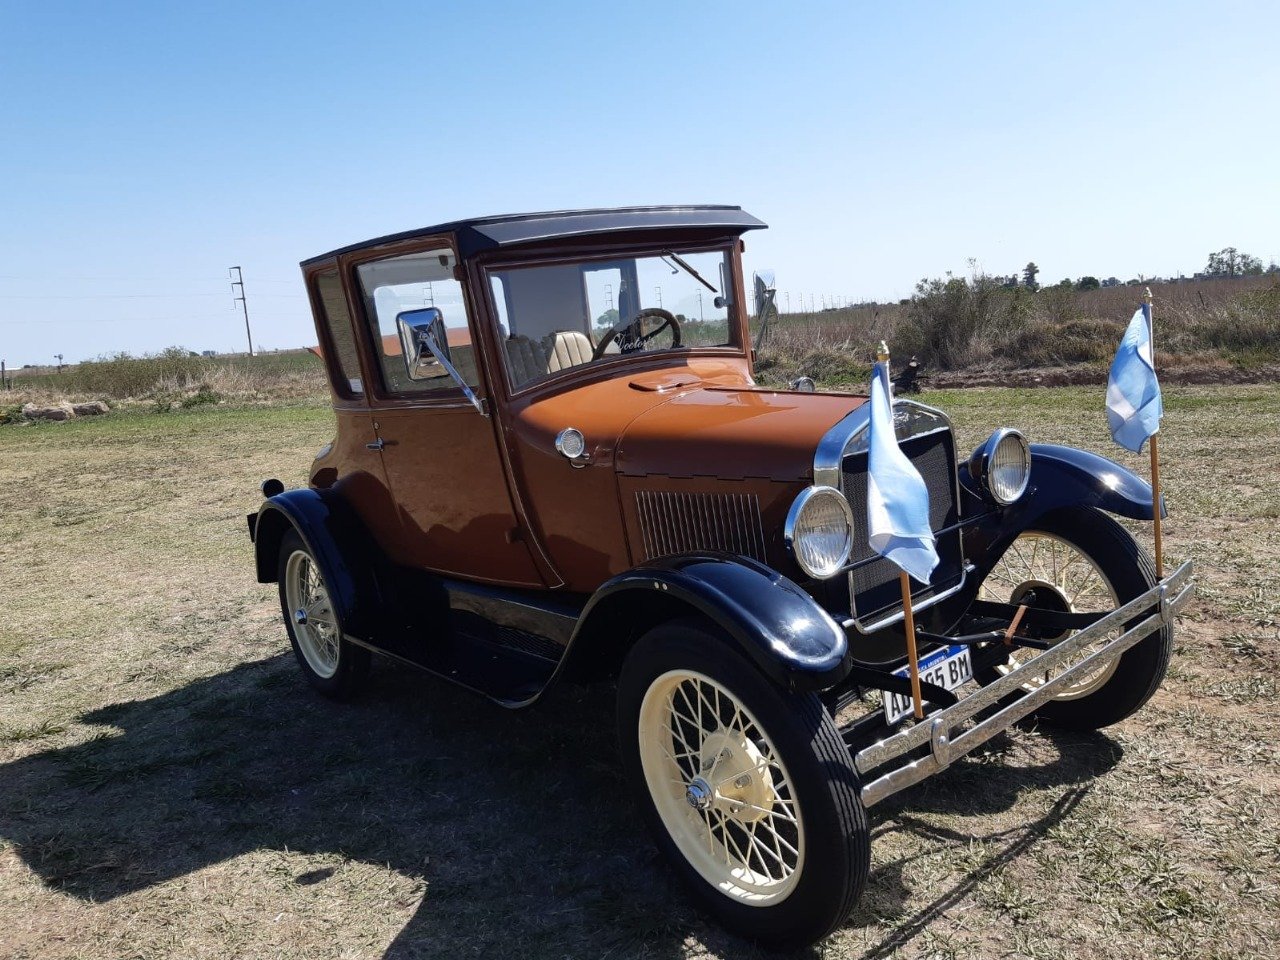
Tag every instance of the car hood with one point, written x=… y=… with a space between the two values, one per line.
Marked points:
x=732 y=433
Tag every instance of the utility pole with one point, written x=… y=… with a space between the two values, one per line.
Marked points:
x=240 y=299
x=4 y=381
x=659 y=297
x=700 y=317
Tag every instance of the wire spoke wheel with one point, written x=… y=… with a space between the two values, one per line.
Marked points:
x=720 y=788
x=1047 y=571
x=314 y=623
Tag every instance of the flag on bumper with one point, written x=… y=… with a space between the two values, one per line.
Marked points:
x=1134 y=407
x=897 y=498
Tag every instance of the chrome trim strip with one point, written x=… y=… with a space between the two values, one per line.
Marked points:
x=938 y=731
x=829 y=455
x=916 y=606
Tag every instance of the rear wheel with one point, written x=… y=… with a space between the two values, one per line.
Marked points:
x=1079 y=560
x=330 y=662
x=748 y=790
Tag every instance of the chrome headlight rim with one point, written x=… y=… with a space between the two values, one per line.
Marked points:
x=985 y=456
x=792 y=531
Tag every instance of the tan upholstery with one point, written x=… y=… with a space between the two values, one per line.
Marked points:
x=568 y=348
x=526 y=360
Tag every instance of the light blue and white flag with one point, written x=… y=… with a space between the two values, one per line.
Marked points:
x=1134 y=407
x=897 y=498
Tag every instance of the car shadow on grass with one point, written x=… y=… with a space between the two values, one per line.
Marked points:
x=518 y=823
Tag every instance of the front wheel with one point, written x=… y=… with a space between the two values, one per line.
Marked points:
x=748 y=790
x=1079 y=560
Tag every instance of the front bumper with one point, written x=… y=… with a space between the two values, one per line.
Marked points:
x=939 y=730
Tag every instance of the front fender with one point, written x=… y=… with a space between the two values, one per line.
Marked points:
x=338 y=542
x=768 y=618
x=1065 y=476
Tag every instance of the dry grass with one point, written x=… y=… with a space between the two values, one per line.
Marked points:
x=169 y=787
x=1220 y=328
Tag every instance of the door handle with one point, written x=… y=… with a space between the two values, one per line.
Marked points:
x=376 y=445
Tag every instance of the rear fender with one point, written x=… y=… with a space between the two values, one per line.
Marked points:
x=339 y=543
x=769 y=619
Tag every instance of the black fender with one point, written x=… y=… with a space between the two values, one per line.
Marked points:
x=767 y=617
x=1060 y=477
x=339 y=543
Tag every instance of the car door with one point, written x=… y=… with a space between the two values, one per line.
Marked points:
x=440 y=455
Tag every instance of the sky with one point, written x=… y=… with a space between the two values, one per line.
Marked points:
x=147 y=147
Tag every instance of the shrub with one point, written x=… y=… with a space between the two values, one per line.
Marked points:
x=125 y=375
x=956 y=322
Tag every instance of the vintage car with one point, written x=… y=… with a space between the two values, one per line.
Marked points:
x=553 y=463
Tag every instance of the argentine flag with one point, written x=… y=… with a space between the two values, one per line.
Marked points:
x=897 y=498
x=1134 y=407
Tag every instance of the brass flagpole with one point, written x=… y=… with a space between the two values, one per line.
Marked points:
x=909 y=620
x=1155 y=449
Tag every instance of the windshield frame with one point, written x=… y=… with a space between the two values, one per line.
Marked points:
x=610 y=364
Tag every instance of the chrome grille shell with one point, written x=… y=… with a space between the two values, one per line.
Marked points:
x=840 y=461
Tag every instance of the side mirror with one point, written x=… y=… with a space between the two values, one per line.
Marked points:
x=425 y=347
x=422 y=341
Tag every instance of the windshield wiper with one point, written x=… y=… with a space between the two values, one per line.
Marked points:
x=689 y=270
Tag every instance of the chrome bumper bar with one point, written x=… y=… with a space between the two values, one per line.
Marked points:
x=939 y=730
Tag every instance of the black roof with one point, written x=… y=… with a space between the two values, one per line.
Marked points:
x=509 y=230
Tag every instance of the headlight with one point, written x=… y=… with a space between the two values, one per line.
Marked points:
x=1003 y=465
x=819 y=531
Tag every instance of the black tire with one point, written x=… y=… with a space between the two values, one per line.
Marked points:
x=1130 y=572
x=353 y=661
x=823 y=784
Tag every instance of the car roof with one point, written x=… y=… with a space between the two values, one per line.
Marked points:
x=509 y=230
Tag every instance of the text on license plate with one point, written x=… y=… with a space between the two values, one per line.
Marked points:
x=947 y=667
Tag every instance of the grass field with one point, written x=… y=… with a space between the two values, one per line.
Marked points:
x=170 y=787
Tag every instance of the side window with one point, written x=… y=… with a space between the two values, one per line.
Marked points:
x=337 y=320
x=412 y=282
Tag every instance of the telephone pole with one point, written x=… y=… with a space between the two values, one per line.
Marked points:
x=240 y=299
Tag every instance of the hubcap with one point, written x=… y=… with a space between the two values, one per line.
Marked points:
x=315 y=626
x=699 y=794
x=720 y=788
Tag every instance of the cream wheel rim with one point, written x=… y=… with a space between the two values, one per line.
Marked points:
x=314 y=622
x=720 y=788
x=1042 y=561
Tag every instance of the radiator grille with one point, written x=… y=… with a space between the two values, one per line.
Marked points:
x=674 y=523
x=873 y=585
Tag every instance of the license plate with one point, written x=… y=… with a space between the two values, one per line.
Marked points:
x=947 y=668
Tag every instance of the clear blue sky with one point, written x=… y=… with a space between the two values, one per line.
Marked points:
x=144 y=147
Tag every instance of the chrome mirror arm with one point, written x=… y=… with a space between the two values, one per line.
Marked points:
x=425 y=339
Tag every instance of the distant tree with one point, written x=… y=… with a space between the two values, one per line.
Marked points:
x=1088 y=283
x=1111 y=282
x=607 y=319
x=1273 y=267
x=1064 y=284
x=1230 y=262
x=1029 y=273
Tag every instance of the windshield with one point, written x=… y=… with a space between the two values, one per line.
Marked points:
x=557 y=316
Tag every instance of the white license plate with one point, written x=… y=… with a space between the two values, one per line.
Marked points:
x=948 y=668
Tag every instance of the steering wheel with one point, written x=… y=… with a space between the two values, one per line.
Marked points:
x=631 y=336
